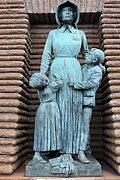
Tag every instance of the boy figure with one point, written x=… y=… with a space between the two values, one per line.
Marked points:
x=92 y=75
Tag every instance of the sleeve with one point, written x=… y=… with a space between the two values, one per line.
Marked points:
x=84 y=47
x=47 y=54
x=92 y=82
x=56 y=84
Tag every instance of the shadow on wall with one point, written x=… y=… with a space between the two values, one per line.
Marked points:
x=85 y=18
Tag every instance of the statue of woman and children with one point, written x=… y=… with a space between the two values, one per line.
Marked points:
x=68 y=94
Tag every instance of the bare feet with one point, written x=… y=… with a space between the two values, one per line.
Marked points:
x=37 y=157
x=82 y=158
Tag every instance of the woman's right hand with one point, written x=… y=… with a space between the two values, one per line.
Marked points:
x=38 y=80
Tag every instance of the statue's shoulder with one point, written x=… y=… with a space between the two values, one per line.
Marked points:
x=92 y=70
x=53 y=31
x=81 y=32
x=97 y=69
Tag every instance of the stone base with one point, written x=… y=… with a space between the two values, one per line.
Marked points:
x=81 y=170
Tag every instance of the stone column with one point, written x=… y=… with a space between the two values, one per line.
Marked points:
x=110 y=43
x=14 y=93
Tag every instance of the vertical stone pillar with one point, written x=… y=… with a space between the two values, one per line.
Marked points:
x=14 y=93
x=110 y=43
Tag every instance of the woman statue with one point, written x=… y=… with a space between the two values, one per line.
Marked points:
x=66 y=43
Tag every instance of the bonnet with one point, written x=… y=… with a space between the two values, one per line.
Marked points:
x=75 y=12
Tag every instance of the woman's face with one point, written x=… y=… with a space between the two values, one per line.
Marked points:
x=67 y=14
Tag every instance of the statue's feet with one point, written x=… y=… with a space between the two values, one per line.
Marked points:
x=38 y=158
x=82 y=158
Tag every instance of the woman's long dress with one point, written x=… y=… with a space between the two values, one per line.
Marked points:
x=66 y=45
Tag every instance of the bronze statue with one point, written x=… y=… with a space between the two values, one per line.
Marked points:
x=66 y=42
x=68 y=95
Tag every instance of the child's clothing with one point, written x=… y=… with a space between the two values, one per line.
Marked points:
x=92 y=76
x=47 y=134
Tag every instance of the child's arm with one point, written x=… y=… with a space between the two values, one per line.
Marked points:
x=92 y=82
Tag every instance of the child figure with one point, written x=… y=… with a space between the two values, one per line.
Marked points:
x=47 y=134
x=92 y=75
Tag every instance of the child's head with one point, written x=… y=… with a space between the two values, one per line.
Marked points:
x=96 y=56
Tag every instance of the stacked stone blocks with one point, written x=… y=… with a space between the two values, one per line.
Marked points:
x=14 y=93
x=18 y=103
x=110 y=43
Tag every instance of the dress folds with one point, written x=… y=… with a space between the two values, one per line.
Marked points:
x=66 y=45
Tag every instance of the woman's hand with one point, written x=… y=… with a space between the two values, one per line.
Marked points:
x=38 y=80
x=44 y=78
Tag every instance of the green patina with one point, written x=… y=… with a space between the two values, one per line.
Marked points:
x=68 y=94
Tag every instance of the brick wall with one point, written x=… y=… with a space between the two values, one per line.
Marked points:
x=18 y=102
x=14 y=93
x=110 y=43
x=49 y=6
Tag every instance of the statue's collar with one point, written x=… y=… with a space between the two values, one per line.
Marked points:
x=70 y=28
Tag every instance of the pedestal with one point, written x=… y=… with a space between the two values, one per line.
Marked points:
x=81 y=170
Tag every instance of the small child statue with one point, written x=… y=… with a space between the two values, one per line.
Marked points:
x=47 y=134
x=92 y=75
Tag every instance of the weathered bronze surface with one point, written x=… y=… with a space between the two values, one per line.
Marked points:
x=81 y=170
x=66 y=100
